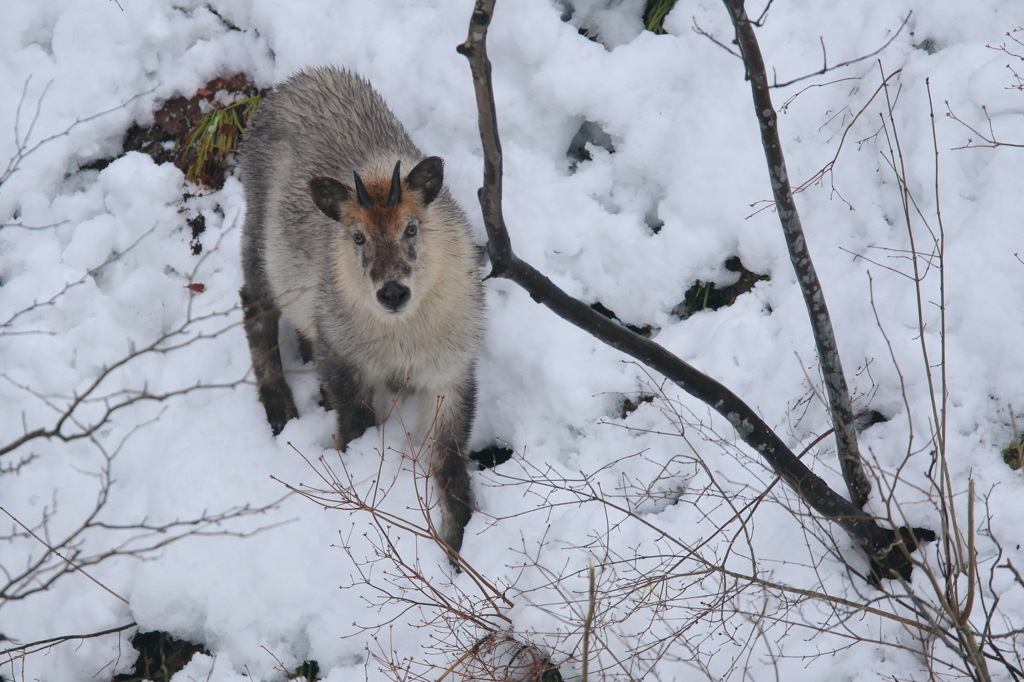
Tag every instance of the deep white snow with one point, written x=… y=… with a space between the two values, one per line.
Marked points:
x=94 y=267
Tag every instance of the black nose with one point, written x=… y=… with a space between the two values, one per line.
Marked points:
x=393 y=295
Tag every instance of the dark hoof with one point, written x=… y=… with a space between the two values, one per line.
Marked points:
x=279 y=419
x=280 y=406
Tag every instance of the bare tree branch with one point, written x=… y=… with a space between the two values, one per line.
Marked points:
x=828 y=167
x=117 y=401
x=825 y=68
x=814 y=298
x=22 y=145
x=64 y=555
x=989 y=140
x=71 y=563
x=700 y=31
x=878 y=541
x=24 y=649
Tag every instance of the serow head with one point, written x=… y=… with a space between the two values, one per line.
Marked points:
x=385 y=231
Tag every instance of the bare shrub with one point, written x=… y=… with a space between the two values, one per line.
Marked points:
x=80 y=429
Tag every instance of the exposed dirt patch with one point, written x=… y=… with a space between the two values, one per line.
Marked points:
x=709 y=296
x=160 y=657
x=644 y=331
x=215 y=116
x=198 y=226
x=491 y=456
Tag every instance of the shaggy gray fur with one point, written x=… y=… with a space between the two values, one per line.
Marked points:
x=340 y=272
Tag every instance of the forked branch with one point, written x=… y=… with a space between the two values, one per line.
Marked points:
x=881 y=544
x=825 y=68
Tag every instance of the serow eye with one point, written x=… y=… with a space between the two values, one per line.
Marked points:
x=411 y=230
x=358 y=238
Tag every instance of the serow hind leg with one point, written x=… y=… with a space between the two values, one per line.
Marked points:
x=450 y=456
x=351 y=399
x=261 y=319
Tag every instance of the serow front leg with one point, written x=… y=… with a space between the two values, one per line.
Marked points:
x=454 y=409
x=349 y=397
x=260 y=321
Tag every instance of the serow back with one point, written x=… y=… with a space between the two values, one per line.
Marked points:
x=351 y=234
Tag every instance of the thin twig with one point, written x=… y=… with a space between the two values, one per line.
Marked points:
x=46 y=643
x=825 y=68
x=990 y=140
x=588 y=624
x=69 y=561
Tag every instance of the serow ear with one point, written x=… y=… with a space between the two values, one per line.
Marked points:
x=329 y=195
x=427 y=177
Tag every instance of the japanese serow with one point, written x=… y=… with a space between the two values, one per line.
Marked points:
x=351 y=234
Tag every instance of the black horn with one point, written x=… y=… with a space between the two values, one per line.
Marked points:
x=396 y=186
x=364 y=198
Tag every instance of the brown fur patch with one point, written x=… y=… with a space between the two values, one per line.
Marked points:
x=389 y=262
x=384 y=226
x=383 y=219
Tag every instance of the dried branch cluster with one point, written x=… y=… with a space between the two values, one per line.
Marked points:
x=639 y=595
x=88 y=425
x=942 y=616
x=1014 y=50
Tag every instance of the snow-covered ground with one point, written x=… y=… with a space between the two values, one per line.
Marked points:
x=94 y=267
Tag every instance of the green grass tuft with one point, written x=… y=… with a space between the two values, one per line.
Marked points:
x=216 y=136
x=655 y=15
